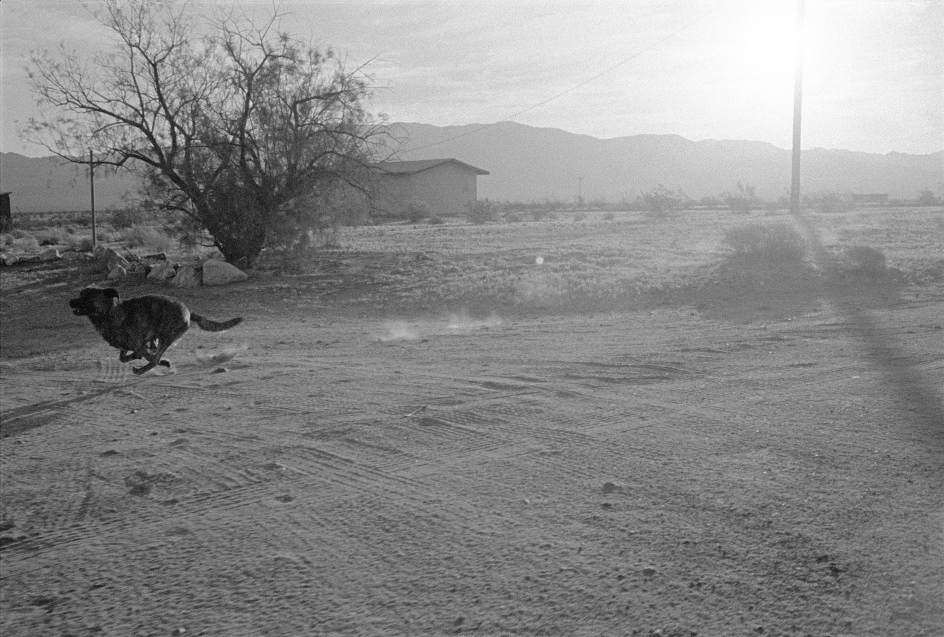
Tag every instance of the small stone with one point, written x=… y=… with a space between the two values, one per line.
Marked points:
x=117 y=272
x=612 y=487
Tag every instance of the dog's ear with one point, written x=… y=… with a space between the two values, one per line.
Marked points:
x=111 y=294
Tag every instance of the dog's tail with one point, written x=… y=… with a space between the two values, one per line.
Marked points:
x=214 y=326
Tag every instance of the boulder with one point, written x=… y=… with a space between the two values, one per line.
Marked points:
x=216 y=272
x=49 y=255
x=187 y=277
x=110 y=258
x=163 y=272
x=117 y=272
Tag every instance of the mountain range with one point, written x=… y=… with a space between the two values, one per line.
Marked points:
x=533 y=164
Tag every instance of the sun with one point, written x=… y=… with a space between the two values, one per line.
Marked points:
x=766 y=45
x=773 y=50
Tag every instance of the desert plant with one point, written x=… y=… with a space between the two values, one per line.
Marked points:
x=482 y=211
x=50 y=237
x=26 y=244
x=661 y=202
x=6 y=240
x=777 y=242
x=81 y=244
x=435 y=220
x=139 y=236
x=227 y=119
x=416 y=210
x=865 y=260
x=744 y=200
x=123 y=218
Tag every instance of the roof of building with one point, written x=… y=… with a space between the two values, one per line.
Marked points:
x=419 y=165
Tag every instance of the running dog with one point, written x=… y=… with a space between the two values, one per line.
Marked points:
x=142 y=327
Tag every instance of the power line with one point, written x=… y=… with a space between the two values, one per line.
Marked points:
x=573 y=88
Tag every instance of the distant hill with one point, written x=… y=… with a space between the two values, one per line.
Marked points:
x=532 y=164
x=49 y=184
x=528 y=163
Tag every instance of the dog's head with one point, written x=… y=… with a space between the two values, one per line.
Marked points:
x=94 y=301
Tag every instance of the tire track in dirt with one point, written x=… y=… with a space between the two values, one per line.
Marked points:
x=313 y=468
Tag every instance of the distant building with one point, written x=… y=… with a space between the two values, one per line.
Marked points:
x=6 y=217
x=872 y=199
x=448 y=186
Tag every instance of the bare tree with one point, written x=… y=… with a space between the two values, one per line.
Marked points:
x=230 y=129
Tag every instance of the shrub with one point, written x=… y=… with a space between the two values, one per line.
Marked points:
x=436 y=220
x=6 y=240
x=27 y=244
x=138 y=236
x=19 y=233
x=609 y=216
x=50 y=237
x=482 y=211
x=661 y=202
x=777 y=242
x=865 y=260
x=415 y=211
x=744 y=200
x=81 y=244
x=123 y=219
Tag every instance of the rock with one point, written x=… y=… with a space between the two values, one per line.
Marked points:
x=73 y=255
x=610 y=487
x=110 y=258
x=160 y=256
x=216 y=272
x=117 y=272
x=49 y=255
x=186 y=277
x=164 y=271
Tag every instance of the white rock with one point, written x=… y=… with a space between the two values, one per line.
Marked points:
x=164 y=271
x=110 y=258
x=187 y=277
x=117 y=272
x=216 y=272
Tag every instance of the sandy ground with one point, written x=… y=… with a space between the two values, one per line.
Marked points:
x=677 y=468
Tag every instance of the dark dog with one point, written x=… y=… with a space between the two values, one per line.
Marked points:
x=142 y=327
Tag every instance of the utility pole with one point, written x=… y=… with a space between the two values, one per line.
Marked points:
x=92 y=186
x=797 y=109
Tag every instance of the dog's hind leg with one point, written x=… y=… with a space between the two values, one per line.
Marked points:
x=154 y=358
x=124 y=356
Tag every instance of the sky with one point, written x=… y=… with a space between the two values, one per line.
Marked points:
x=873 y=74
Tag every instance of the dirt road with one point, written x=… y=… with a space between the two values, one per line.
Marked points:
x=652 y=472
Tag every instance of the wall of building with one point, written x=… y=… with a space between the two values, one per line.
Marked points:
x=447 y=189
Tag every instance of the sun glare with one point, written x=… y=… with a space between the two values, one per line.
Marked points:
x=763 y=43
x=771 y=51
